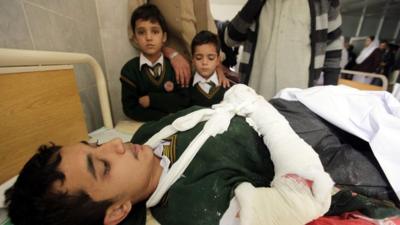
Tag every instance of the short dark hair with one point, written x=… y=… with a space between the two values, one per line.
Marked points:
x=371 y=37
x=33 y=201
x=205 y=37
x=148 y=12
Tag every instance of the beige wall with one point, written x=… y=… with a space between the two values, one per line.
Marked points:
x=223 y=10
x=114 y=20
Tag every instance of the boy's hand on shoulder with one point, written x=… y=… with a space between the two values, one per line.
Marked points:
x=144 y=101
x=182 y=70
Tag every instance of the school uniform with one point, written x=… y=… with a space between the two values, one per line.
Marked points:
x=206 y=92
x=140 y=77
x=221 y=164
x=203 y=193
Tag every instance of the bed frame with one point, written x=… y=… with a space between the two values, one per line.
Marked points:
x=40 y=103
x=364 y=86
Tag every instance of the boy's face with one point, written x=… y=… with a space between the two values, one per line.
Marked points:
x=368 y=41
x=150 y=38
x=383 y=46
x=114 y=170
x=205 y=59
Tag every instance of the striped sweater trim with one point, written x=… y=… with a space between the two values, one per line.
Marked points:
x=327 y=34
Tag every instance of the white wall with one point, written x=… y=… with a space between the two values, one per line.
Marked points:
x=224 y=11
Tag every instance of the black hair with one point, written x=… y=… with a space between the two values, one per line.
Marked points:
x=372 y=38
x=351 y=47
x=148 y=12
x=205 y=37
x=33 y=201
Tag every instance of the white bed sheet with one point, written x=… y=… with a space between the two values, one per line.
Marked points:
x=3 y=187
x=3 y=211
x=374 y=116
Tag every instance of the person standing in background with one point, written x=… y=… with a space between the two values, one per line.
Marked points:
x=368 y=60
x=287 y=43
x=345 y=54
x=352 y=56
x=387 y=61
x=396 y=65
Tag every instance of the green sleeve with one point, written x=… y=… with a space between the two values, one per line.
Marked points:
x=170 y=102
x=130 y=96
x=132 y=108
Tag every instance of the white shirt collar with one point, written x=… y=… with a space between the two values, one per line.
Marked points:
x=143 y=60
x=198 y=78
x=164 y=162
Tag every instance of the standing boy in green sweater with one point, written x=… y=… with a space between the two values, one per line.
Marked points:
x=149 y=87
x=206 y=89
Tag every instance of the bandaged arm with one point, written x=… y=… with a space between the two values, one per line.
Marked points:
x=288 y=197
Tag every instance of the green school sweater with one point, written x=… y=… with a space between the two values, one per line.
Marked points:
x=202 y=194
x=201 y=98
x=136 y=83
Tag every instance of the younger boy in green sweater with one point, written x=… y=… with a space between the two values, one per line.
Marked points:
x=206 y=89
x=149 y=87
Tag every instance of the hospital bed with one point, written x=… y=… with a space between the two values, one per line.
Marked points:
x=40 y=103
x=389 y=84
x=364 y=86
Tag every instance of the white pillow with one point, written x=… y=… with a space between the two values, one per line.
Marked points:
x=3 y=188
x=4 y=220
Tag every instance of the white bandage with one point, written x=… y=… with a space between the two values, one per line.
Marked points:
x=289 y=153
x=288 y=202
x=218 y=120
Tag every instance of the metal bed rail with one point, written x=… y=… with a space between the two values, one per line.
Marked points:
x=18 y=57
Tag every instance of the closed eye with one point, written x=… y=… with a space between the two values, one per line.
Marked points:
x=107 y=167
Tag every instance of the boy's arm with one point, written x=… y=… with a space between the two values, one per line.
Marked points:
x=236 y=31
x=130 y=103
x=180 y=64
x=170 y=102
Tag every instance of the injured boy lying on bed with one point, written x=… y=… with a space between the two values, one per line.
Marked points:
x=241 y=162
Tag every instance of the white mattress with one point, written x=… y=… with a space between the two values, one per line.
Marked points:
x=3 y=217
x=3 y=212
x=3 y=187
